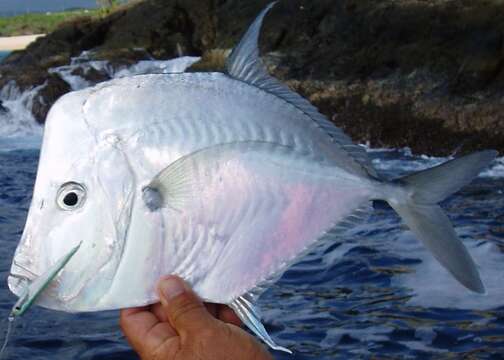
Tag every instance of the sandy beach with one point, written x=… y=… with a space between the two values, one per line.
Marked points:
x=17 y=42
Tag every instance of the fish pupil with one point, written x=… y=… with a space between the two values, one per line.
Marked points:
x=70 y=199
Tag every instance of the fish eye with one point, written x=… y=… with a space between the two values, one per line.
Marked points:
x=71 y=196
x=71 y=199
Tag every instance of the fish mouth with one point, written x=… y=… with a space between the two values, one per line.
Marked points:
x=19 y=278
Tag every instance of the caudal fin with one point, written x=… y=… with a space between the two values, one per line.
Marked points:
x=428 y=221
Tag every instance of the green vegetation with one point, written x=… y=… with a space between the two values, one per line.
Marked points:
x=107 y=6
x=40 y=23
x=43 y=23
x=108 y=3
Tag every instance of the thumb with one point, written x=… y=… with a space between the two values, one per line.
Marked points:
x=184 y=310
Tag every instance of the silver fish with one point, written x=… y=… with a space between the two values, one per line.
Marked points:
x=222 y=178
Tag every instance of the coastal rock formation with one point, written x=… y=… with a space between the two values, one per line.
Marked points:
x=427 y=74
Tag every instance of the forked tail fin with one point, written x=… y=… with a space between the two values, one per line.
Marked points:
x=428 y=221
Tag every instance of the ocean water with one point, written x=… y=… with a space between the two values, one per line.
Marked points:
x=369 y=292
x=3 y=54
x=17 y=7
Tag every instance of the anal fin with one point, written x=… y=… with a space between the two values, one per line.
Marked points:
x=249 y=315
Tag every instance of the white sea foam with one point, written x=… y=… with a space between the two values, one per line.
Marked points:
x=369 y=334
x=17 y=120
x=429 y=283
x=433 y=286
x=177 y=65
x=406 y=162
x=496 y=171
x=84 y=64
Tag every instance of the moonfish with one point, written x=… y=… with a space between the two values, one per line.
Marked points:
x=225 y=179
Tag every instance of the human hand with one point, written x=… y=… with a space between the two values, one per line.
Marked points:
x=181 y=327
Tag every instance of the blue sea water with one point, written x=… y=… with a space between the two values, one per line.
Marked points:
x=371 y=292
x=3 y=54
x=17 y=7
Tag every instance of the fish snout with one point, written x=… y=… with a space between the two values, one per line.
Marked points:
x=20 y=276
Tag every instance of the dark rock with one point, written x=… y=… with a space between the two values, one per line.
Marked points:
x=120 y=57
x=163 y=28
x=3 y=109
x=213 y=60
x=387 y=113
x=91 y=74
x=26 y=79
x=47 y=95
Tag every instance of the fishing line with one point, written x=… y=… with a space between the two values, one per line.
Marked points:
x=7 y=336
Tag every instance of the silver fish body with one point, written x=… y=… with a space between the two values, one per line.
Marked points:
x=115 y=138
x=223 y=179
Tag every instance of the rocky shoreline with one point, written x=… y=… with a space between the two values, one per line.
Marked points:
x=424 y=74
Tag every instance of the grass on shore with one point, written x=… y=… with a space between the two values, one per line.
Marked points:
x=41 y=23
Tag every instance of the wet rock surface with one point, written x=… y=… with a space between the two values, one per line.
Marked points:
x=52 y=90
x=425 y=74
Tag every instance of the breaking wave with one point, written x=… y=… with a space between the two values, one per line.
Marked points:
x=84 y=63
x=16 y=119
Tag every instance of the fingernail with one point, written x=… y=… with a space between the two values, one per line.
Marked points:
x=171 y=287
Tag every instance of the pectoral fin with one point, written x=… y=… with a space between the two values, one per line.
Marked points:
x=181 y=182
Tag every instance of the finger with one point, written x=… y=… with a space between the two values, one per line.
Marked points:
x=184 y=309
x=131 y=311
x=135 y=324
x=158 y=310
x=143 y=330
x=227 y=315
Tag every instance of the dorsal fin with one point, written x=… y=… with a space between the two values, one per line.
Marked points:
x=245 y=64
